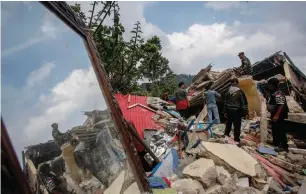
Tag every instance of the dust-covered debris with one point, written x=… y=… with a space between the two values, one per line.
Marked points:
x=188 y=186
x=203 y=170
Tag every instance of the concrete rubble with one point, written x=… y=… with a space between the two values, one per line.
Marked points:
x=188 y=186
x=203 y=163
x=203 y=170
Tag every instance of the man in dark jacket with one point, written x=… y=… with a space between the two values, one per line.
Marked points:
x=278 y=108
x=235 y=107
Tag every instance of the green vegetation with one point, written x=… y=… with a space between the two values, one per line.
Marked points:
x=126 y=62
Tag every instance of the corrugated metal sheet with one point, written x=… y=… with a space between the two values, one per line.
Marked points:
x=139 y=116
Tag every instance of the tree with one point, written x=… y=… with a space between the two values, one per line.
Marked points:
x=154 y=65
x=126 y=62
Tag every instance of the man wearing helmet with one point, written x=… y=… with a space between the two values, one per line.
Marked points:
x=278 y=108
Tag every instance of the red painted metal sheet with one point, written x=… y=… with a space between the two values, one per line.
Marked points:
x=139 y=116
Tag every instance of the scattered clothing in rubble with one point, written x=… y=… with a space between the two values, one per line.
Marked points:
x=235 y=107
x=212 y=109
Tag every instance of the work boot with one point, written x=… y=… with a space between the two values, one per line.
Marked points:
x=280 y=149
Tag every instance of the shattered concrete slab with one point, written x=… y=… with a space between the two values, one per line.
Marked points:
x=293 y=106
x=229 y=187
x=203 y=170
x=223 y=175
x=188 y=186
x=231 y=157
x=116 y=186
x=297 y=117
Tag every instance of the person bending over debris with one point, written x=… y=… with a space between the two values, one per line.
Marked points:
x=278 y=108
x=212 y=109
x=235 y=107
x=246 y=65
x=182 y=103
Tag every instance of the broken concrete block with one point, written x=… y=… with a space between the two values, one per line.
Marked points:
x=298 y=151
x=297 y=117
x=295 y=157
x=231 y=157
x=293 y=106
x=217 y=189
x=116 y=186
x=243 y=182
x=229 y=187
x=133 y=189
x=203 y=170
x=258 y=183
x=223 y=175
x=188 y=186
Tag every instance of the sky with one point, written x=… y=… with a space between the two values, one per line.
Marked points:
x=46 y=72
x=46 y=75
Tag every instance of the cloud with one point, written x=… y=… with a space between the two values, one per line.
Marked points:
x=225 y=5
x=48 y=30
x=40 y=74
x=80 y=91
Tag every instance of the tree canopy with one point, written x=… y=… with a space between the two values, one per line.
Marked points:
x=127 y=61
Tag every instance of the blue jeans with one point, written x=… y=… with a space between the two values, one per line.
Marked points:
x=212 y=112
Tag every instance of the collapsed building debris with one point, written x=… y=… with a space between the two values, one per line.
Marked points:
x=188 y=156
x=90 y=160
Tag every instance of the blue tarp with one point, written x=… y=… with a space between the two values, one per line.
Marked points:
x=168 y=166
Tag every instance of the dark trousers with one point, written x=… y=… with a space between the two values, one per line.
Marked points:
x=184 y=113
x=233 y=117
x=279 y=134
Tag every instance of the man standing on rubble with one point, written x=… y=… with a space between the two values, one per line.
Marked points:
x=212 y=108
x=182 y=103
x=235 y=107
x=278 y=108
x=246 y=65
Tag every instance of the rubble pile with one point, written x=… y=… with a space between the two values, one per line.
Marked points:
x=219 y=81
x=188 y=156
x=91 y=159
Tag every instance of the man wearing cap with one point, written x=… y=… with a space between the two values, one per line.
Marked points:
x=278 y=108
x=235 y=107
x=246 y=65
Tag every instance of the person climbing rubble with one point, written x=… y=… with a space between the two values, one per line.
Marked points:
x=182 y=103
x=235 y=107
x=246 y=65
x=278 y=108
x=212 y=109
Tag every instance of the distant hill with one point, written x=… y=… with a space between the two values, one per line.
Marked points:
x=187 y=79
